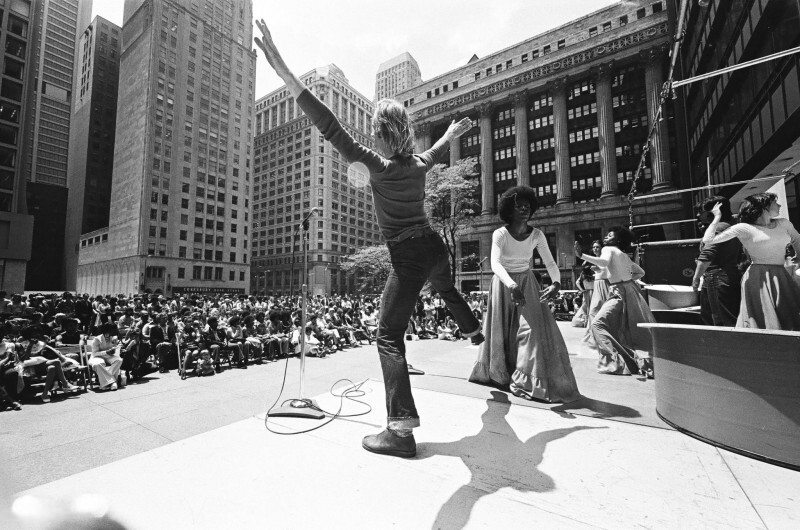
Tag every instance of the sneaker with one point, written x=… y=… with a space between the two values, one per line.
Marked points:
x=477 y=339
x=388 y=443
x=113 y=386
x=15 y=405
x=45 y=397
x=123 y=380
x=70 y=388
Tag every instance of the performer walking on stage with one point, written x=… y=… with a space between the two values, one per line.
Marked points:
x=624 y=348
x=524 y=349
x=418 y=254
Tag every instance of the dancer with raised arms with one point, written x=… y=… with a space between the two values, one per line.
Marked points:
x=418 y=254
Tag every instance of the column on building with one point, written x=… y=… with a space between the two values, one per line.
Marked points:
x=487 y=169
x=561 y=136
x=605 y=130
x=660 y=162
x=422 y=132
x=521 y=136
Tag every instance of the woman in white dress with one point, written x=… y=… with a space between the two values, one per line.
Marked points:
x=623 y=347
x=770 y=298
x=524 y=349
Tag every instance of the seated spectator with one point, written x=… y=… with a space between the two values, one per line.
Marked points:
x=236 y=341
x=105 y=360
x=312 y=344
x=253 y=345
x=369 y=321
x=9 y=377
x=70 y=333
x=35 y=358
x=213 y=339
x=162 y=342
x=276 y=331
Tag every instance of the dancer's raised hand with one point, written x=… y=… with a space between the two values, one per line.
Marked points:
x=276 y=61
x=456 y=129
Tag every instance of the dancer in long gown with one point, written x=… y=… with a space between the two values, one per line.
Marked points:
x=622 y=346
x=770 y=298
x=600 y=293
x=524 y=349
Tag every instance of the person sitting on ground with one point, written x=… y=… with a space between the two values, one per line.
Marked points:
x=105 y=359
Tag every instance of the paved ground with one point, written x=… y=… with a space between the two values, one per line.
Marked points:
x=486 y=459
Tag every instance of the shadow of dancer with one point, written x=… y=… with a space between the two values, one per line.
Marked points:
x=496 y=458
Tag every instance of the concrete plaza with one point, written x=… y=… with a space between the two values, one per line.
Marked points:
x=197 y=454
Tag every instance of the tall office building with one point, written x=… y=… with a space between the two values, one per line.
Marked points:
x=180 y=193
x=396 y=75
x=16 y=227
x=297 y=170
x=566 y=112
x=44 y=160
x=91 y=141
x=744 y=124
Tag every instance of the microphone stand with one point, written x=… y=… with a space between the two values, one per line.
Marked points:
x=301 y=407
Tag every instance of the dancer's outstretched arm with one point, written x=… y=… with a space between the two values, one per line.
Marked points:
x=275 y=60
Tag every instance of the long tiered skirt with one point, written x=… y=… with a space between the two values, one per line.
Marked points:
x=524 y=349
x=770 y=299
x=623 y=347
x=600 y=294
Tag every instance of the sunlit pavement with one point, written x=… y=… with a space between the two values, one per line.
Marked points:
x=196 y=454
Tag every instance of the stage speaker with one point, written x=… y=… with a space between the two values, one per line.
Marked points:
x=669 y=262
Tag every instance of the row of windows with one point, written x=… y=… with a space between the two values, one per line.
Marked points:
x=583 y=134
x=582 y=110
x=543 y=167
x=584 y=158
x=503 y=132
x=509 y=174
x=542 y=121
x=544 y=143
x=502 y=154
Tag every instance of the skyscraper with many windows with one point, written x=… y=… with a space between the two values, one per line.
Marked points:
x=396 y=75
x=180 y=194
x=297 y=170
x=16 y=227
x=53 y=31
x=91 y=141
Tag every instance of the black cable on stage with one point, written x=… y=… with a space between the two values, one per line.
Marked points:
x=349 y=393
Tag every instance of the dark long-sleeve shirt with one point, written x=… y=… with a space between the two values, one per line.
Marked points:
x=722 y=256
x=398 y=184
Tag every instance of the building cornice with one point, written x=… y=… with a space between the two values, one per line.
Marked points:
x=558 y=67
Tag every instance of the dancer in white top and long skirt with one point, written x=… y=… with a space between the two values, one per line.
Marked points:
x=623 y=347
x=524 y=350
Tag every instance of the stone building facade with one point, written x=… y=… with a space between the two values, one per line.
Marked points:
x=297 y=170
x=566 y=112
x=180 y=194
x=396 y=75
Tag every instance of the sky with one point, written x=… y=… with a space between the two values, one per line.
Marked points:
x=358 y=35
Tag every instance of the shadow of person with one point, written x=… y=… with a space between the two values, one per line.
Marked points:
x=496 y=458
x=600 y=409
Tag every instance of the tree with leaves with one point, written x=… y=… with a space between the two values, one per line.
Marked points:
x=371 y=265
x=451 y=202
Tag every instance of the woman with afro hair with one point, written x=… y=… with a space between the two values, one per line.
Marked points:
x=623 y=347
x=524 y=350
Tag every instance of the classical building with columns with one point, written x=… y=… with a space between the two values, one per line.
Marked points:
x=566 y=112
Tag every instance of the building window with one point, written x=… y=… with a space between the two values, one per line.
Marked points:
x=181 y=272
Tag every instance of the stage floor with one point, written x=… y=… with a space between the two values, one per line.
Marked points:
x=482 y=462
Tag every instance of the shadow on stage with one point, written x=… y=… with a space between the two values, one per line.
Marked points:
x=496 y=458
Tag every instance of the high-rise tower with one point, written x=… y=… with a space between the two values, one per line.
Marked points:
x=180 y=194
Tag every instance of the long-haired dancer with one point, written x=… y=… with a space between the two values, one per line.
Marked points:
x=770 y=298
x=418 y=254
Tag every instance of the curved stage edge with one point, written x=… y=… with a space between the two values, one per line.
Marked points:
x=737 y=389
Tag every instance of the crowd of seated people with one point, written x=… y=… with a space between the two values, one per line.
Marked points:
x=127 y=337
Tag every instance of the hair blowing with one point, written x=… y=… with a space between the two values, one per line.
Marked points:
x=392 y=123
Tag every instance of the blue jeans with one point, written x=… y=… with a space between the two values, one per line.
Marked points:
x=414 y=260
x=720 y=298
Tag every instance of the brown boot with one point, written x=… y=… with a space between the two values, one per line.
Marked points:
x=388 y=443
